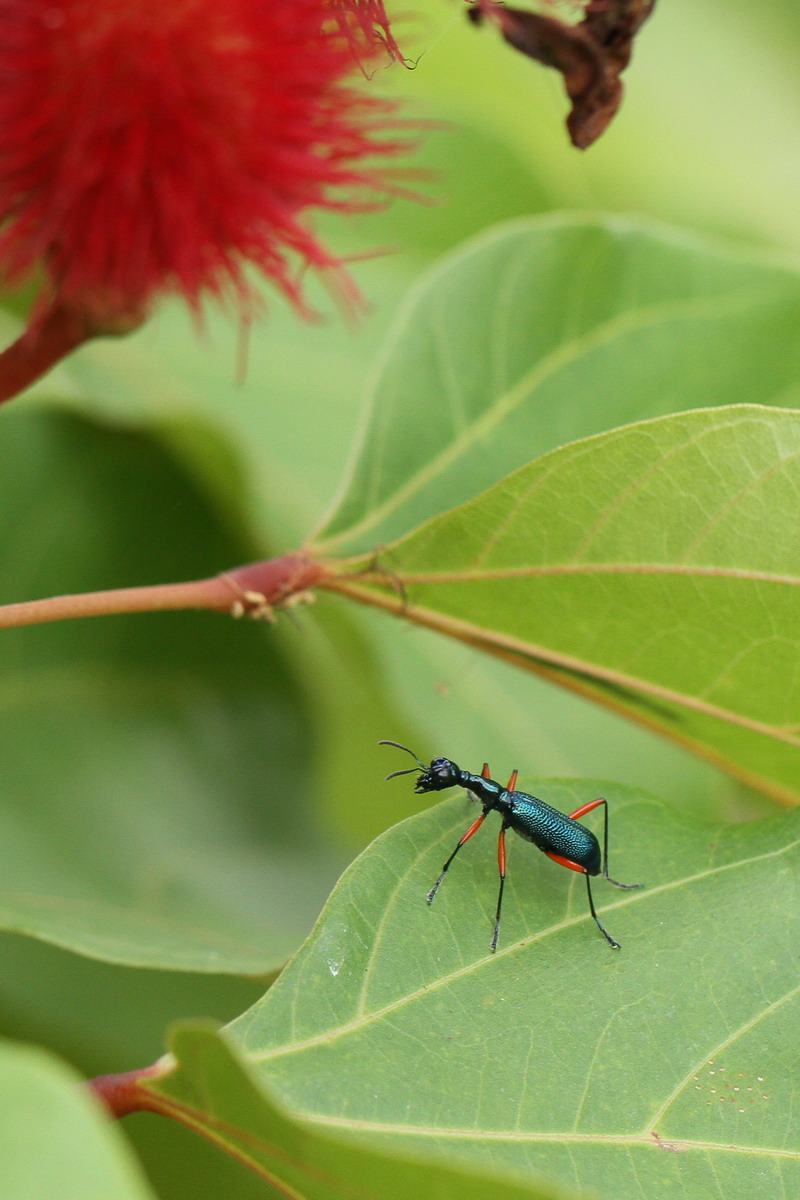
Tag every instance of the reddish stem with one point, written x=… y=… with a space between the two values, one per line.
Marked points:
x=250 y=590
x=40 y=347
x=122 y=1093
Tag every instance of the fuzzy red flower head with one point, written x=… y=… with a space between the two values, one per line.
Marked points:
x=151 y=145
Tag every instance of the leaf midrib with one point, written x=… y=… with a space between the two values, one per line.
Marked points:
x=691 y=570
x=477 y=635
x=557 y=1137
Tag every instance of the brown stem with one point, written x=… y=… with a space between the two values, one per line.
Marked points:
x=52 y=334
x=122 y=1093
x=48 y=340
x=250 y=590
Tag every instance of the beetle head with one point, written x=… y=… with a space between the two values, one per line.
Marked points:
x=442 y=773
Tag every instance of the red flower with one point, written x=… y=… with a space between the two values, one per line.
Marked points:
x=371 y=16
x=151 y=145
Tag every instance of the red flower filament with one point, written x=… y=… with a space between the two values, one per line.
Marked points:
x=149 y=146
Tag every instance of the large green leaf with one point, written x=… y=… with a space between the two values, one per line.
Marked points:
x=155 y=784
x=665 y=1069
x=215 y=1092
x=654 y=567
x=54 y=1141
x=553 y=329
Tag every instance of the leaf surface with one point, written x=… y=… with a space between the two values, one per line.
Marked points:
x=54 y=1140
x=667 y=1068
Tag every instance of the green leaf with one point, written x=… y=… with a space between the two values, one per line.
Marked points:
x=665 y=1069
x=214 y=1092
x=156 y=789
x=652 y=568
x=54 y=1140
x=548 y=330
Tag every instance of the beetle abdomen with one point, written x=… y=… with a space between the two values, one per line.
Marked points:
x=554 y=832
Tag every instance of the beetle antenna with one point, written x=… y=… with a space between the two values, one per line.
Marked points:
x=411 y=770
